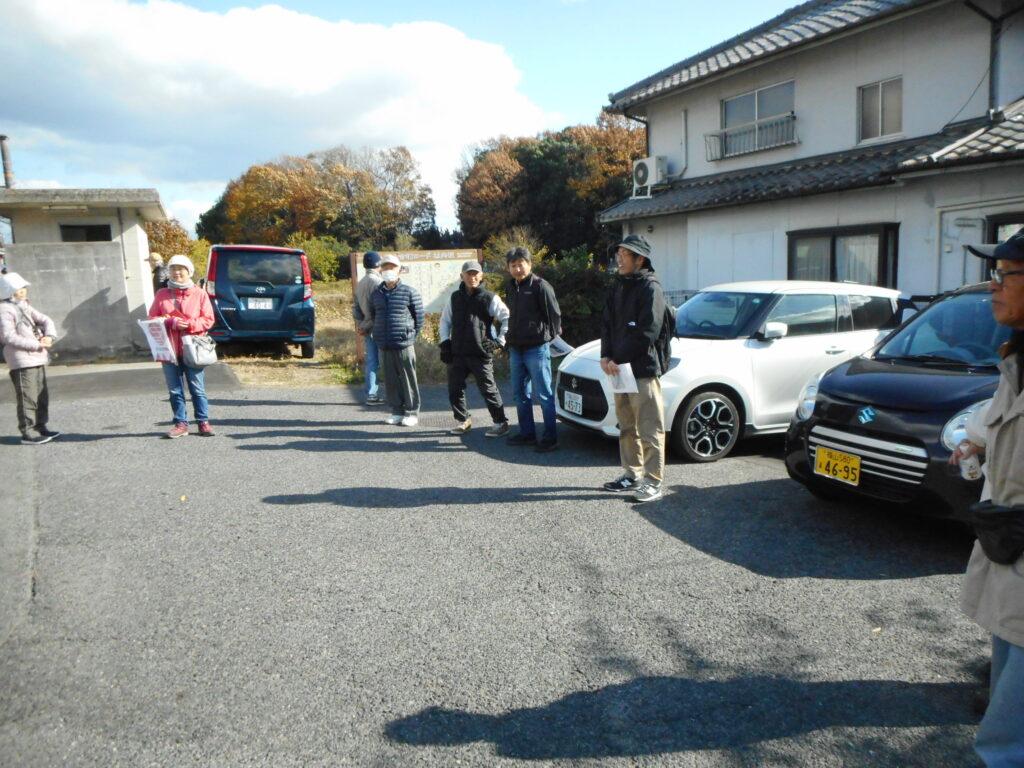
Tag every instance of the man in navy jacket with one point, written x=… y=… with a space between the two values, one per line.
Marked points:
x=397 y=314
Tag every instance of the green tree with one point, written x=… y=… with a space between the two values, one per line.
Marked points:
x=328 y=259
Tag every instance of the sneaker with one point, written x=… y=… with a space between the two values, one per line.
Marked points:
x=498 y=430
x=180 y=429
x=546 y=446
x=47 y=432
x=647 y=492
x=394 y=420
x=205 y=429
x=520 y=439
x=409 y=421
x=624 y=483
x=375 y=400
x=461 y=428
x=35 y=439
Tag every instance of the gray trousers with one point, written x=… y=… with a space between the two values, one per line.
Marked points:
x=33 y=397
x=400 y=383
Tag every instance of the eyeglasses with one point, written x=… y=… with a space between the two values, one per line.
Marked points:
x=998 y=275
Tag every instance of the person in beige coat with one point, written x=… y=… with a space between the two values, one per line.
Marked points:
x=993 y=594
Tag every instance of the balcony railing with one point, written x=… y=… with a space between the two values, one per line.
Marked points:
x=753 y=137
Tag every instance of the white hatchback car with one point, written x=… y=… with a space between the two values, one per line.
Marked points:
x=742 y=353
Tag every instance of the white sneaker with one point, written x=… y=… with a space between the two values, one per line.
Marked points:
x=409 y=421
x=393 y=420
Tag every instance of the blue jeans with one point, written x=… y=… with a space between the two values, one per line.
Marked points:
x=531 y=376
x=372 y=364
x=173 y=373
x=1000 y=738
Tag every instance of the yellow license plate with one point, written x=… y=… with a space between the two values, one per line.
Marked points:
x=839 y=466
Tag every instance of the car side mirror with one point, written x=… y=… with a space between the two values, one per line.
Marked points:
x=774 y=330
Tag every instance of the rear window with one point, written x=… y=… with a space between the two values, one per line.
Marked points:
x=872 y=312
x=259 y=267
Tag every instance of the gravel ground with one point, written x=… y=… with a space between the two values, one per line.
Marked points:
x=312 y=587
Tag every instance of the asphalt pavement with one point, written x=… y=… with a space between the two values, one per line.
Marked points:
x=312 y=587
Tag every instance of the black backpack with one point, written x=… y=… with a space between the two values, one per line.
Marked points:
x=663 y=346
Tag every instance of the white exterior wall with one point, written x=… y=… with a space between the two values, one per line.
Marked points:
x=941 y=54
x=937 y=214
x=42 y=226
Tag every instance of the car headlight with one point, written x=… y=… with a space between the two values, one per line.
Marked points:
x=955 y=431
x=808 y=395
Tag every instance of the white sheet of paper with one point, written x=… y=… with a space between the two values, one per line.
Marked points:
x=159 y=340
x=624 y=381
x=560 y=347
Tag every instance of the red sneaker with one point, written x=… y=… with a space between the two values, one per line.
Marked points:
x=205 y=429
x=180 y=429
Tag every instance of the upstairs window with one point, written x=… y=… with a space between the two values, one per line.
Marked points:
x=881 y=109
x=753 y=121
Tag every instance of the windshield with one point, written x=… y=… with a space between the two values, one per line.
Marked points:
x=249 y=266
x=718 y=314
x=957 y=330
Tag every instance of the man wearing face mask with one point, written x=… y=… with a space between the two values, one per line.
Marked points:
x=396 y=310
x=468 y=345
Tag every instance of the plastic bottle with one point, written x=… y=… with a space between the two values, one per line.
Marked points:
x=970 y=467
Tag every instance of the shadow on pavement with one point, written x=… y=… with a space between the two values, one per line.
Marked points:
x=760 y=525
x=656 y=715
x=401 y=498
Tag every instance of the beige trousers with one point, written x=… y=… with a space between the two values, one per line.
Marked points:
x=642 y=431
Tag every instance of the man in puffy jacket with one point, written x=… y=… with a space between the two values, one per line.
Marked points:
x=534 y=320
x=361 y=311
x=468 y=346
x=633 y=314
x=397 y=314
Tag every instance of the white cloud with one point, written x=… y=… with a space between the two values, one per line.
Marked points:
x=166 y=94
x=39 y=184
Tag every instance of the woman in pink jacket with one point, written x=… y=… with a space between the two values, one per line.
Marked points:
x=186 y=309
x=26 y=335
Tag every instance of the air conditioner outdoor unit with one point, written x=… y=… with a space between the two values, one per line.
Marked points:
x=648 y=172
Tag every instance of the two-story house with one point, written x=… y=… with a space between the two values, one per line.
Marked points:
x=860 y=140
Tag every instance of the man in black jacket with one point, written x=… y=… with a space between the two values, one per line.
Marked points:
x=468 y=346
x=633 y=314
x=534 y=321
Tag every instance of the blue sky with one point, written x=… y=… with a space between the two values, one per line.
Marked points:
x=184 y=96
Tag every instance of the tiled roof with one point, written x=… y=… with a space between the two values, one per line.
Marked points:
x=869 y=166
x=997 y=141
x=811 y=21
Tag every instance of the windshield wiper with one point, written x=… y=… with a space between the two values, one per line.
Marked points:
x=689 y=335
x=939 y=359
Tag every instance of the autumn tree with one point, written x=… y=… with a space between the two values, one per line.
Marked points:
x=555 y=183
x=168 y=238
x=351 y=196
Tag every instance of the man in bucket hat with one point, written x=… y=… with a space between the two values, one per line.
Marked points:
x=632 y=319
x=468 y=344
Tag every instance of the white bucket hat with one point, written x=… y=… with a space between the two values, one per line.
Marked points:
x=183 y=261
x=10 y=284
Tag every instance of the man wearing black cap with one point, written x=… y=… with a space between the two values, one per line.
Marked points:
x=633 y=314
x=993 y=590
x=363 y=316
x=468 y=344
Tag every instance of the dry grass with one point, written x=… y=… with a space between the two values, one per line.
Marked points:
x=335 y=362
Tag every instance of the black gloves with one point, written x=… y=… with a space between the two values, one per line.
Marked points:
x=446 y=351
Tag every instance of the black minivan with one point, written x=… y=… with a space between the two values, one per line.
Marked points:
x=882 y=426
x=261 y=293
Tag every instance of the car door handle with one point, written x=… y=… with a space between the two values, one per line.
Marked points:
x=834 y=350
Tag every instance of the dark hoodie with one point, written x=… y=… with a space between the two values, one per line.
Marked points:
x=633 y=314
